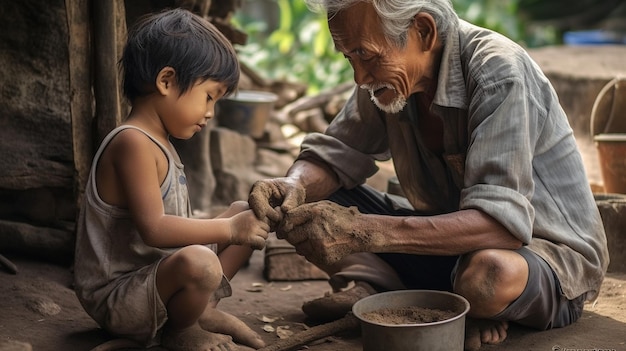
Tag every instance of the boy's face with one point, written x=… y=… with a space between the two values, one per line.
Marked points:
x=187 y=114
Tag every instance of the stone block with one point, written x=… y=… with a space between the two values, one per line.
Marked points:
x=42 y=242
x=613 y=211
x=231 y=150
x=233 y=158
x=36 y=135
x=282 y=263
x=12 y=345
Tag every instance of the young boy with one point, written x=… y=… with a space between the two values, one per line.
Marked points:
x=145 y=270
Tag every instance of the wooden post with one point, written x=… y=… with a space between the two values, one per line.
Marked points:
x=107 y=16
x=81 y=98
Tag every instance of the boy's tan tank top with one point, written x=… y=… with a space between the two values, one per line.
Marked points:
x=108 y=244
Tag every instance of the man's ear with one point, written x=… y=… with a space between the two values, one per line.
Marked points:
x=165 y=80
x=426 y=28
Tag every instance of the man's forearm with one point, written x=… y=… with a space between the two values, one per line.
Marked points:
x=317 y=178
x=449 y=234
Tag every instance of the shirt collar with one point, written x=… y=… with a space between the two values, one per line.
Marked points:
x=451 y=82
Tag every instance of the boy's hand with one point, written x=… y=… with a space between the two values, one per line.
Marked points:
x=247 y=230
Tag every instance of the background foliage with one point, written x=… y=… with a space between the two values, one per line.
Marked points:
x=299 y=47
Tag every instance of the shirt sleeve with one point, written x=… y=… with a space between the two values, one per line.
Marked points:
x=353 y=142
x=499 y=172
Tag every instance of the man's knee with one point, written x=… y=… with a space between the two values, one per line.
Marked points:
x=491 y=279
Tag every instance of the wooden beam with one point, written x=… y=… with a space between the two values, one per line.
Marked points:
x=81 y=98
x=106 y=56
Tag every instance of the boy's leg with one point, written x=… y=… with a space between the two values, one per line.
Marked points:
x=233 y=257
x=216 y=321
x=186 y=281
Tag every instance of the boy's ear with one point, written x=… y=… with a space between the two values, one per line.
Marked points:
x=165 y=80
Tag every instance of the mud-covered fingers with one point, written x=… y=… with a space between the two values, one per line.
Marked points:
x=264 y=211
x=285 y=229
x=297 y=233
x=294 y=197
x=260 y=200
x=285 y=225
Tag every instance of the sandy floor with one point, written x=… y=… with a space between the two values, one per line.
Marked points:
x=38 y=306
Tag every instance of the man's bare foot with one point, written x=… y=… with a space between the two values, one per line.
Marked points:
x=196 y=339
x=483 y=331
x=217 y=321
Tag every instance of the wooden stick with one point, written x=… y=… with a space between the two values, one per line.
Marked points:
x=349 y=322
x=8 y=264
x=117 y=344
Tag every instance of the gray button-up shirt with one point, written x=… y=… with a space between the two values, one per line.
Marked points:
x=509 y=151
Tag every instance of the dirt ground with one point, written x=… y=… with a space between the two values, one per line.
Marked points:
x=38 y=307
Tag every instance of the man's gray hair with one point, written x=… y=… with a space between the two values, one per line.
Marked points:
x=397 y=15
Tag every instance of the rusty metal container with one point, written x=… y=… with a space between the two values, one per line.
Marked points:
x=612 y=156
x=445 y=335
x=246 y=112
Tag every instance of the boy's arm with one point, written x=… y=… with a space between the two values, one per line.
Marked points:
x=137 y=162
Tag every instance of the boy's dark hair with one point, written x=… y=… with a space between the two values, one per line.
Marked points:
x=182 y=40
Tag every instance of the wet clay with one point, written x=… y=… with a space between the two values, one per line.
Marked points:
x=408 y=315
x=341 y=220
x=336 y=225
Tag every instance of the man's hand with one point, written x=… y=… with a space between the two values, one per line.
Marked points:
x=270 y=198
x=324 y=232
x=248 y=230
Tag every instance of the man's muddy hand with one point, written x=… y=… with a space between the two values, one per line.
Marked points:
x=324 y=232
x=270 y=198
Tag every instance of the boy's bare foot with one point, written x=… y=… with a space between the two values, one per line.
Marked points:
x=483 y=331
x=196 y=339
x=216 y=321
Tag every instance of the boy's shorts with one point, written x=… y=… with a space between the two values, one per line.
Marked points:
x=134 y=309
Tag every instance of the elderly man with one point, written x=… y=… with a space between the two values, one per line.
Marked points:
x=497 y=209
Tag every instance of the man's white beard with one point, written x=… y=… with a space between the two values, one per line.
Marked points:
x=396 y=105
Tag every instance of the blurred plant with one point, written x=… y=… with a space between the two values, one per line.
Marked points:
x=508 y=17
x=301 y=48
x=498 y=15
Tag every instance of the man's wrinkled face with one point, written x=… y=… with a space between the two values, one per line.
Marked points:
x=388 y=72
